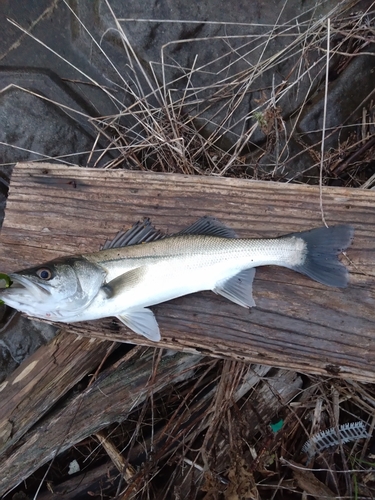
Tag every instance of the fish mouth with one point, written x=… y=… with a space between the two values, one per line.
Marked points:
x=27 y=284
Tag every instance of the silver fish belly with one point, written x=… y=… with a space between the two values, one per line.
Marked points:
x=143 y=267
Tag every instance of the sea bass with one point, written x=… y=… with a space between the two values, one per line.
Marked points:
x=143 y=267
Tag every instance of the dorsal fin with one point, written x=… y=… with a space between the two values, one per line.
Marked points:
x=144 y=232
x=208 y=226
x=141 y=232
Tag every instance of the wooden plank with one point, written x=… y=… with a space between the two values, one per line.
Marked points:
x=297 y=324
x=109 y=399
x=123 y=388
x=42 y=380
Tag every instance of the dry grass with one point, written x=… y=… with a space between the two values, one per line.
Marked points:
x=211 y=437
x=169 y=124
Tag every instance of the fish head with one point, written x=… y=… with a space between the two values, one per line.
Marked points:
x=56 y=290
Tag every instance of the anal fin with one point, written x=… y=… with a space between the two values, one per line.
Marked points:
x=141 y=321
x=238 y=288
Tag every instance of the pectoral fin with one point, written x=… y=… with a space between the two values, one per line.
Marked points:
x=141 y=321
x=124 y=282
x=239 y=288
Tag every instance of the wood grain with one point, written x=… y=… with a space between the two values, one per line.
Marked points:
x=42 y=380
x=298 y=324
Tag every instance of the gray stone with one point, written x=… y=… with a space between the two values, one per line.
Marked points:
x=34 y=129
x=211 y=52
x=346 y=97
x=19 y=338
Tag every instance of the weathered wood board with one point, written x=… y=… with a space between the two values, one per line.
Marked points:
x=297 y=324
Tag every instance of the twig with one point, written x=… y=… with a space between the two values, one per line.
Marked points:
x=324 y=124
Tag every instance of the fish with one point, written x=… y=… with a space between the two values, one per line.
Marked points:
x=142 y=267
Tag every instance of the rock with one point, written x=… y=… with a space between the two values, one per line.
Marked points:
x=19 y=338
x=347 y=95
x=35 y=129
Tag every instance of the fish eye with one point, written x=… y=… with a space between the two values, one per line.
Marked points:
x=44 y=273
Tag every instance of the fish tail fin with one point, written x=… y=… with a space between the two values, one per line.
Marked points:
x=322 y=247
